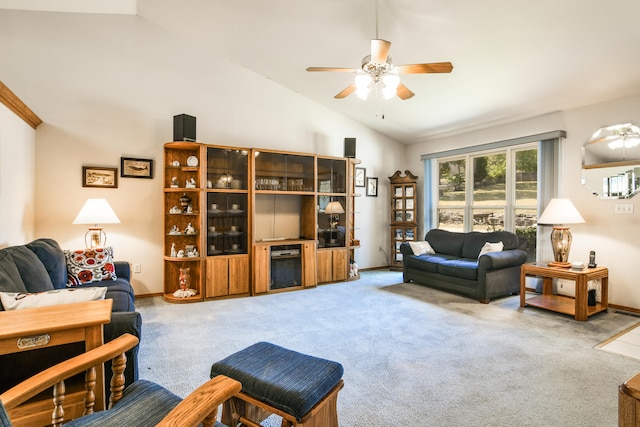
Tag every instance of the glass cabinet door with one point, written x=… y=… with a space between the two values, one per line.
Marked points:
x=226 y=223
x=332 y=175
x=227 y=168
x=284 y=172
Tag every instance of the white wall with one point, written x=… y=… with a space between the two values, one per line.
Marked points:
x=613 y=237
x=17 y=175
x=133 y=78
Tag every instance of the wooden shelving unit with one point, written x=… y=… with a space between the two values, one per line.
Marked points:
x=403 y=214
x=246 y=209
x=183 y=219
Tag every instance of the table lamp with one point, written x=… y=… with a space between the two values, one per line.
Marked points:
x=557 y=213
x=96 y=211
x=333 y=209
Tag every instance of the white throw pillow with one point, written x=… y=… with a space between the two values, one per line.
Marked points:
x=20 y=300
x=491 y=247
x=421 y=248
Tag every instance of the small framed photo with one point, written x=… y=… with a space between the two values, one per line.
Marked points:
x=372 y=187
x=136 y=168
x=93 y=176
x=359 y=179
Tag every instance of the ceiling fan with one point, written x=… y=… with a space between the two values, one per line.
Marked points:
x=378 y=71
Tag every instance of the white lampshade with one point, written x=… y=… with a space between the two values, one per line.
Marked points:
x=96 y=211
x=560 y=211
x=334 y=208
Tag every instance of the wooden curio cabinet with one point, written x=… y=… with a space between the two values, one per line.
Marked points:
x=403 y=214
x=183 y=234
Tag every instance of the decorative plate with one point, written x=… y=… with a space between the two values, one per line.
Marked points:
x=192 y=161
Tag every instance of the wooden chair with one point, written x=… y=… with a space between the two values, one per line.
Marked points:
x=142 y=403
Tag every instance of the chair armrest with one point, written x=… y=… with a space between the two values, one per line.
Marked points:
x=201 y=402
x=63 y=370
x=123 y=270
x=503 y=259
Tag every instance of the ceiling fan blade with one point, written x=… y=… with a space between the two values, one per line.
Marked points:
x=346 y=92
x=435 y=67
x=379 y=51
x=403 y=92
x=334 y=69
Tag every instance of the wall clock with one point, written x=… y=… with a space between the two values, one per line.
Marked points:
x=372 y=187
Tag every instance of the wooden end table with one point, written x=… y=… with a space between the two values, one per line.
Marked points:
x=577 y=306
x=35 y=328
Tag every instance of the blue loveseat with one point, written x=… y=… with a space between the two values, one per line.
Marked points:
x=457 y=265
x=41 y=266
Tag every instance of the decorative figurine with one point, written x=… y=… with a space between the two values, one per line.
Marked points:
x=175 y=210
x=184 y=283
x=190 y=229
x=189 y=209
x=174 y=229
x=180 y=253
x=173 y=250
x=174 y=182
x=191 y=183
x=185 y=202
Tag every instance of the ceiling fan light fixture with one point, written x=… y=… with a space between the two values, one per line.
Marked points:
x=390 y=84
x=363 y=85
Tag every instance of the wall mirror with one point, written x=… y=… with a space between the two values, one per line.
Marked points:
x=611 y=162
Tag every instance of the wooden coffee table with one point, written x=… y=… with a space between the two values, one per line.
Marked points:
x=34 y=328
x=577 y=306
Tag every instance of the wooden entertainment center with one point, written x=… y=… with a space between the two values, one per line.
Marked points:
x=246 y=221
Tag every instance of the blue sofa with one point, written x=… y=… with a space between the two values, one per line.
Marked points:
x=457 y=267
x=41 y=266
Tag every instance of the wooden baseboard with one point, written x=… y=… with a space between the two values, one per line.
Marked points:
x=623 y=308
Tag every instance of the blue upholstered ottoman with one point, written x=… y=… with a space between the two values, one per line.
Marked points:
x=302 y=389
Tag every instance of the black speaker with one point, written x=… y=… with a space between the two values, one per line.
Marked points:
x=184 y=128
x=350 y=147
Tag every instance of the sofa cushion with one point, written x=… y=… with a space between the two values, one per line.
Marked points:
x=10 y=280
x=33 y=274
x=446 y=242
x=21 y=300
x=427 y=262
x=119 y=290
x=491 y=247
x=421 y=248
x=52 y=257
x=475 y=240
x=464 y=268
x=90 y=265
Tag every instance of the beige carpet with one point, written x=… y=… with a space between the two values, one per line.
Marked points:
x=413 y=356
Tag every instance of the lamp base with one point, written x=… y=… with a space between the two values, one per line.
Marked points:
x=559 y=264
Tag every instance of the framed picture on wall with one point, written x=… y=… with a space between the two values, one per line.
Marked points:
x=93 y=176
x=372 y=187
x=136 y=168
x=359 y=179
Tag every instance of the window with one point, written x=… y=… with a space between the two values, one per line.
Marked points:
x=490 y=191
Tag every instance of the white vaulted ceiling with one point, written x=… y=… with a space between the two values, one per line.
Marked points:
x=512 y=59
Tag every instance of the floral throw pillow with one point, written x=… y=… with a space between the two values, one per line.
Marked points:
x=90 y=265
